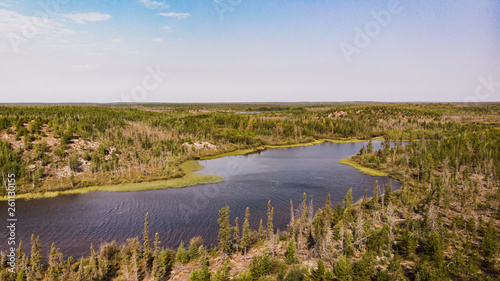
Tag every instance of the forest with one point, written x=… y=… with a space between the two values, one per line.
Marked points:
x=441 y=225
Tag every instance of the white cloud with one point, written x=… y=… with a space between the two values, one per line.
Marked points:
x=153 y=4
x=19 y=30
x=2 y=4
x=83 y=18
x=167 y=29
x=117 y=40
x=85 y=67
x=176 y=15
x=157 y=39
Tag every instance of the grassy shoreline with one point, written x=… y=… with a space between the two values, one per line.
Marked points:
x=190 y=178
x=365 y=170
x=264 y=147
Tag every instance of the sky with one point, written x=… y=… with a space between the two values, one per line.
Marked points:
x=103 y=51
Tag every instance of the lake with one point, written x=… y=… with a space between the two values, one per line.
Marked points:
x=73 y=222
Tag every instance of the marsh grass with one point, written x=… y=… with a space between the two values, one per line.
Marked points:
x=189 y=179
x=363 y=169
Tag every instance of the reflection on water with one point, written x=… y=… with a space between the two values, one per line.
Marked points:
x=73 y=222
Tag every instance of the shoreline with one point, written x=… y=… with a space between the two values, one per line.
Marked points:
x=365 y=170
x=267 y=146
x=191 y=178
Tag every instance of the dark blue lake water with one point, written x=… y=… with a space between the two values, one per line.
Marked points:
x=73 y=222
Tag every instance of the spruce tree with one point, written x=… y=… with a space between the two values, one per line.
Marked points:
x=270 y=227
x=54 y=258
x=375 y=196
x=342 y=269
x=305 y=211
x=145 y=234
x=387 y=194
x=21 y=257
x=290 y=252
x=194 y=245
x=92 y=262
x=490 y=245
x=203 y=274
x=158 y=270
x=369 y=147
x=245 y=239
x=327 y=210
x=318 y=274
x=236 y=233
x=35 y=257
x=261 y=230
x=224 y=230
x=156 y=243
x=181 y=256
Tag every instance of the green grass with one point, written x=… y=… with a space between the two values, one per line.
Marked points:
x=189 y=179
x=363 y=169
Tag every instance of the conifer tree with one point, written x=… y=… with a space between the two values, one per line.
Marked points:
x=369 y=147
x=181 y=256
x=363 y=203
x=327 y=210
x=92 y=262
x=21 y=257
x=194 y=246
x=236 y=234
x=224 y=230
x=203 y=274
x=156 y=243
x=158 y=270
x=342 y=269
x=261 y=230
x=270 y=212
x=388 y=193
x=245 y=239
x=348 y=199
x=145 y=234
x=318 y=274
x=490 y=245
x=375 y=196
x=54 y=258
x=35 y=257
x=290 y=252
x=305 y=211
x=81 y=276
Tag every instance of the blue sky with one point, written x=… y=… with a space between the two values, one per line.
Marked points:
x=249 y=51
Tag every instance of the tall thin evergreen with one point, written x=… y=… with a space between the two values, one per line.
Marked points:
x=270 y=227
x=375 y=195
x=236 y=233
x=261 y=230
x=145 y=234
x=245 y=238
x=224 y=230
